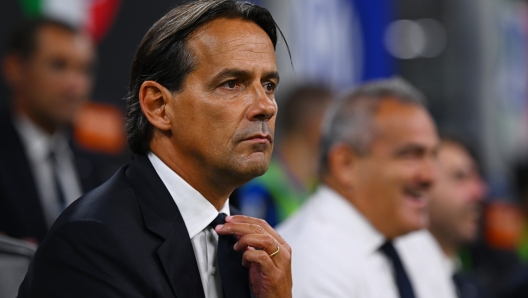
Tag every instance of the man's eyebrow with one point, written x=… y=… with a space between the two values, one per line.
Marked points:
x=272 y=75
x=409 y=147
x=227 y=73
x=237 y=73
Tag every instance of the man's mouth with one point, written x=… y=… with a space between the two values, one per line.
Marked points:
x=415 y=196
x=474 y=211
x=260 y=138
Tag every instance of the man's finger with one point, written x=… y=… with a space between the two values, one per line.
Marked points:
x=267 y=267
x=267 y=243
x=240 y=229
x=260 y=222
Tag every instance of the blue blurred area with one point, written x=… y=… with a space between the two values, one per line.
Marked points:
x=375 y=16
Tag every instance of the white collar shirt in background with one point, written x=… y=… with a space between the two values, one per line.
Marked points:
x=38 y=144
x=197 y=212
x=336 y=254
x=427 y=263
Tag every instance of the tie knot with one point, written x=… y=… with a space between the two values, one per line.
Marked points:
x=219 y=220
x=52 y=156
x=388 y=249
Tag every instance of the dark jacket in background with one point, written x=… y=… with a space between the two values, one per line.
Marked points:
x=21 y=214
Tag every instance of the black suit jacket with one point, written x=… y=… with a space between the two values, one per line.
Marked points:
x=21 y=213
x=125 y=238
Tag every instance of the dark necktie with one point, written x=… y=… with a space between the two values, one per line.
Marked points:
x=235 y=278
x=402 y=280
x=458 y=284
x=61 y=201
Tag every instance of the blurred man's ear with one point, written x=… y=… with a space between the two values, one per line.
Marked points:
x=12 y=69
x=153 y=98
x=342 y=161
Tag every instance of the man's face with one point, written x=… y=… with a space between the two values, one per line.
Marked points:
x=224 y=118
x=57 y=77
x=396 y=174
x=455 y=198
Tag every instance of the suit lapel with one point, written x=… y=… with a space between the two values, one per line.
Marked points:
x=21 y=188
x=162 y=217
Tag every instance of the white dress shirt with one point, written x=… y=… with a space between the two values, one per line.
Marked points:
x=336 y=254
x=197 y=213
x=38 y=144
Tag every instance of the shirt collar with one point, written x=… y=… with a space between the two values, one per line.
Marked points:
x=38 y=142
x=452 y=264
x=368 y=237
x=197 y=212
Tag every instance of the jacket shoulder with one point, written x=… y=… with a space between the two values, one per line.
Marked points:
x=112 y=202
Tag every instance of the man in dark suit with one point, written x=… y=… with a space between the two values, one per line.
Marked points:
x=48 y=68
x=200 y=120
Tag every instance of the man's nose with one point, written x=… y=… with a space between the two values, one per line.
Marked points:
x=77 y=81
x=479 y=189
x=428 y=172
x=263 y=106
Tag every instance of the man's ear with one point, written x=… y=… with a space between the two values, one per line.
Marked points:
x=342 y=165
x=153 y=98
x=12 y=69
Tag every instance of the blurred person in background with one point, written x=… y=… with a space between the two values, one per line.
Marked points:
x=378 y=163
x=292 y=174
x=49 y=69
x=455 y=210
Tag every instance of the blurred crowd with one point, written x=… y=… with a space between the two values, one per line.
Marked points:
x=363 y=184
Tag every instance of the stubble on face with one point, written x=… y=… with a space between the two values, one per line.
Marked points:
x=456 y=199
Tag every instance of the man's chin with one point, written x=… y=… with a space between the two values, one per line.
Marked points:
x=256 y=170
x=418 y=222
x=253 y=167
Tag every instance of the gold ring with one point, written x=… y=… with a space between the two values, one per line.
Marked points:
x=276 y=252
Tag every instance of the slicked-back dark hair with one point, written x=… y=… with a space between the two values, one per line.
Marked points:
x=23 y=40
x=163 y=55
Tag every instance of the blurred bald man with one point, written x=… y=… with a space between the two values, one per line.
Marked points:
x=357 y=235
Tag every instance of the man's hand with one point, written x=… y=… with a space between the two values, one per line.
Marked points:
x=270 y=275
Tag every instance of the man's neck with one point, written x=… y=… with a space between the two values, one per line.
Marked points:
x=449 y=249
x=215 y=192
x=349 y=195
x=45 y=126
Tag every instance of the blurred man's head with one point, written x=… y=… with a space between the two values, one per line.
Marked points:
x=456 y=196
x=299 y=130
x=379 y=150
x=49 y=69
x=302 y=112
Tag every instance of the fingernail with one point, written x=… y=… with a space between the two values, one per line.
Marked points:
x=228 y=217
x=219 y=227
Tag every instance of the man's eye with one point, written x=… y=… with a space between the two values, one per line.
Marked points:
x=269 y=87
x=410 y=154
x=230 y=84
x=58 y=64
